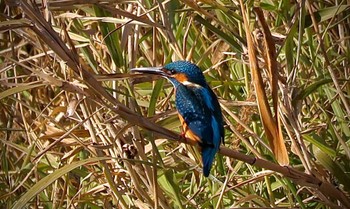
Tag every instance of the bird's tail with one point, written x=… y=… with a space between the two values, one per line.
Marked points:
x=208 y=155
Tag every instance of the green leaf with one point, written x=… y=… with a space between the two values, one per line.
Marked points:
x=333 y=167
x=111 y=38
x=46 y=181
x=310 y=89
x=325 y=14
x=325 y=148
x=167 y=183
x=155 y=94
x=20 y=88
x=236 y=46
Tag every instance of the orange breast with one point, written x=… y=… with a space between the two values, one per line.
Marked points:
x=194 y=139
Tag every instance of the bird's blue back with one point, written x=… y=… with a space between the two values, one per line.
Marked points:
x=199 y=107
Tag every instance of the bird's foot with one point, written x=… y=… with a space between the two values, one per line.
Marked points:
x=183 y=138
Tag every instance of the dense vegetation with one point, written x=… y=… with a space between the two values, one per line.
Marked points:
x=78 y=131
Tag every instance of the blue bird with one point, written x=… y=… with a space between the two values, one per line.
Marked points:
x=197 y=105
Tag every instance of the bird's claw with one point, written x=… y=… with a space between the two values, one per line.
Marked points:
x=186 y=140
x=183 y=137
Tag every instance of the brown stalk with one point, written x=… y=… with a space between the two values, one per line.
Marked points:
x=298 y=177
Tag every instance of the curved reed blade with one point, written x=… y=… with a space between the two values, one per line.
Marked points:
x=271 y=124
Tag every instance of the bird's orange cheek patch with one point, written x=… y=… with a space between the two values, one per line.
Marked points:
x=194 y=139
x=181 y=77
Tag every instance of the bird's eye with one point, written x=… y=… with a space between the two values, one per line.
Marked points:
x=172 y=72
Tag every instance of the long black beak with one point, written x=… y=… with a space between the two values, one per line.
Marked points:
x=149 y=70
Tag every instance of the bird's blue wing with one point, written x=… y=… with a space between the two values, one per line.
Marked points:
x=213 y=105
x=201 y=111
x=211 y=102
x=194 y=112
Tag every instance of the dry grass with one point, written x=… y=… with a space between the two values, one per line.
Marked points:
x=77 y=131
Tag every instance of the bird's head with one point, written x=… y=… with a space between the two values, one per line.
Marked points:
x=177 y=72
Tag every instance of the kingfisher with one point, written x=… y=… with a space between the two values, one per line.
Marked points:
x=197 y=105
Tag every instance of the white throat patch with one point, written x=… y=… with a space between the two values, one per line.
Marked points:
x=187 y=83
